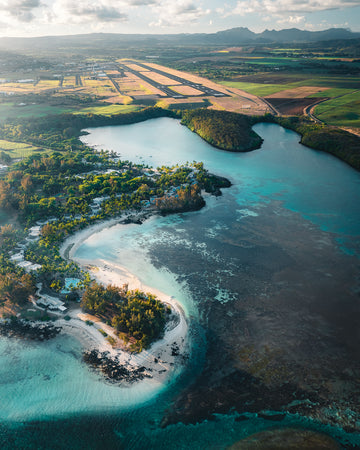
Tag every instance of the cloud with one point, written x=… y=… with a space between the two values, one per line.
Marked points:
x=21 y=10
x=279 y=7
x=171 y=13
x=87 y=11
x=142 y=2
x=291 y=20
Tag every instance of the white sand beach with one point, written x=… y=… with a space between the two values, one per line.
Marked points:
x=160 y=360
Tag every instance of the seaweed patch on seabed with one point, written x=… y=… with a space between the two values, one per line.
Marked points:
x=291 y=334
x=113 y=370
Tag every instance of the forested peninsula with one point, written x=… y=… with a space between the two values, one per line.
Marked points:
x=223 y=129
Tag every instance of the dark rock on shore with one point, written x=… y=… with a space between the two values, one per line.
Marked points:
x=15 y=327
x=113 y=369
x=273 y=417
x=215 y=184
x=135 y=219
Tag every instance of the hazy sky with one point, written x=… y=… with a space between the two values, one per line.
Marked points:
x=51 y=17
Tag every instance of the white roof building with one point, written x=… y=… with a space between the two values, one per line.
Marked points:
x=51 y=302
x=29 y=266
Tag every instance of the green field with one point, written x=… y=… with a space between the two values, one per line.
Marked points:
x=10 y=111
x=18 y=149
x=343 y=111
x=343 y=82
x=337 y=85
x=109 y=110
x=277 y=61
x=14 y=111
x=261 y=90
x=332 y=92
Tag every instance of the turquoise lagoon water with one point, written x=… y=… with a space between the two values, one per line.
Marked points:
x=313 y=183
x=51 y=400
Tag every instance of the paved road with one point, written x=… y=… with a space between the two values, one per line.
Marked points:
x=308 y=111
x=272 y=109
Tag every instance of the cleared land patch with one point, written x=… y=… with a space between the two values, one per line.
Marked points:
x=291 y=106
x=293 y=101
x=300 y=92
x=238 y=104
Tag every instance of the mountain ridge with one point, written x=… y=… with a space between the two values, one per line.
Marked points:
x=232 y=36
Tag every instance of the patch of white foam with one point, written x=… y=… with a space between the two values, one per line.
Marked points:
x=246 y=213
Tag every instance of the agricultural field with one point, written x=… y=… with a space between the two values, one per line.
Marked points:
x=264 y=85
x=340 y=108
x=343 y=111
x=109 y=110
x=99 y=87
x=18 y=150
x=288 y=78
x=258 y=89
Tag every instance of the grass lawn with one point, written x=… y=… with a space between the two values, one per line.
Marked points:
x=342 y=111
x=109 y=110
x=19 y=149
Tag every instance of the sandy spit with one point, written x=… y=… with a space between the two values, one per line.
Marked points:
x=160 y=360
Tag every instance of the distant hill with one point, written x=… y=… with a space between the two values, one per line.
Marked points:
x=232 y=37
x=242 y=35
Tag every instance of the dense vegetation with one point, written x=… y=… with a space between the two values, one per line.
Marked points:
x=15 y=285
x=70 y=188
x=223 y=129
x=134 y=314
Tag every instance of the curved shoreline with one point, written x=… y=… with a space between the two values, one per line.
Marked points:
x=165 y=356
